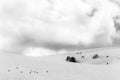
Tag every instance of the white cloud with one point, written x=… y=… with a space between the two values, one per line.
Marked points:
x=25 y=23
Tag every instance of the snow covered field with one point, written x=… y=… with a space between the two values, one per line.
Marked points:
x=55 y=67
x=34 y=33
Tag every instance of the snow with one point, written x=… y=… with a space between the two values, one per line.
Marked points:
x=55 y=67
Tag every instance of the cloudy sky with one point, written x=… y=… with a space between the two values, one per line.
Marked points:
x=38 y=27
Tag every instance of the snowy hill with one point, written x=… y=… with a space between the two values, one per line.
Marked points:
x=55 y=67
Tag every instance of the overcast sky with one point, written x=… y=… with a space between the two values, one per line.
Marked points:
x=44 y=26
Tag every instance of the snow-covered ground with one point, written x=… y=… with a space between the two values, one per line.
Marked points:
x=55 y=67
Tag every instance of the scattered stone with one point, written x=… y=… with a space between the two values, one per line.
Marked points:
x=68 y=58
x=71 y=59
x=21 y=72
x=95 y=56
x=8 y=70
x=37 y=72
x=29 y=72
x=78 y=53
x=47 y=71
x=16 y=67
x=83 y=57
x=107 y=63
x=107 y=56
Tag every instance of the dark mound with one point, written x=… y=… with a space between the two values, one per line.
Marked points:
x=96 y=56
x=71 y=59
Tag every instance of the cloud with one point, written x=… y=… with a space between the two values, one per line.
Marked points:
x=56 y=24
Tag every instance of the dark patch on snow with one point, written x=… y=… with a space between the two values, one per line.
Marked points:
x=79 y=53
x=95 y=56
x=8 y=70
x=21 y=72
x=107 y=56
x=83 y=57
x=17 y=67
x=71 y=59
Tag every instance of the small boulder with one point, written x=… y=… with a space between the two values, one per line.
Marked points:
x=71 y=59
x=68 y=58
x=8 y=70
x=96 y=56
x=83 y=57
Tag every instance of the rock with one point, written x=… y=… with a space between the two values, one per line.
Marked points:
x=96 y=56
x=68 y=58
x=107 y=56
x=8 y=70
x=17 y=67
x=83 y=57
x=79 y=53
x=71 y=59
x=107 y=63
x=21 y=72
